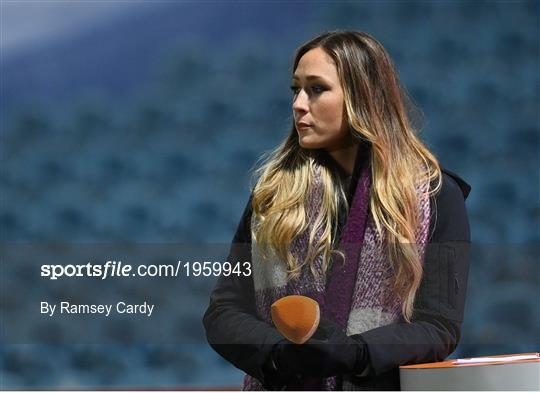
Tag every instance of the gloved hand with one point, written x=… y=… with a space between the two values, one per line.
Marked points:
x=327 y=353
x=274 y=378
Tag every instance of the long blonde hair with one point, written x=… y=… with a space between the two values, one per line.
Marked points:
x=378 y=110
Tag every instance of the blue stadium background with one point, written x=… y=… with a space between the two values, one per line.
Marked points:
x=139 y=122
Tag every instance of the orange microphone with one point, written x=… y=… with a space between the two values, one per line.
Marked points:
x=296 y=317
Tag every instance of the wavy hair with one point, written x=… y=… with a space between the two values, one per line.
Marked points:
x=379 y=113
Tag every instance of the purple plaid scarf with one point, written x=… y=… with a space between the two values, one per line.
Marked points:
x=358 y=295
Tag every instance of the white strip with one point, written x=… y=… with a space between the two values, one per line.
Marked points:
x=495 y=359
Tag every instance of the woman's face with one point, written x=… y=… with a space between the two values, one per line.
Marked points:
x=318 y=103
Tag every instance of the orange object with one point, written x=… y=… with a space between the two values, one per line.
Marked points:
x=296 y=317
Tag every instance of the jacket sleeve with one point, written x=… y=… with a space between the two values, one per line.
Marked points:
x=435 y=329
x=232 y=327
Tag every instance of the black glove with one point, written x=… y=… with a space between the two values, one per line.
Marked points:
x=328 y=353
x=275 y=378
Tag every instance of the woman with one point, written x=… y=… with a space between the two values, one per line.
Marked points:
x=353 y=211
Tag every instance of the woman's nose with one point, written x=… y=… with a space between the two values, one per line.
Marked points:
x=300 y=102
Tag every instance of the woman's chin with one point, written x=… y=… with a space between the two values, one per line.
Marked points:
x=307 y=142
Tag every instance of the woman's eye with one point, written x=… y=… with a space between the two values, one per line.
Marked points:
x=294 y=89
x=317 y=89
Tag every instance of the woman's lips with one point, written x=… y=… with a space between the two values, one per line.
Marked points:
x=302 y=126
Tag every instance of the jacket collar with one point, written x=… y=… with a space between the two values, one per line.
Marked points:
x=463 y=185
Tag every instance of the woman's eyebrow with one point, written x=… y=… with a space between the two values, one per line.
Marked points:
x=310 y=77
